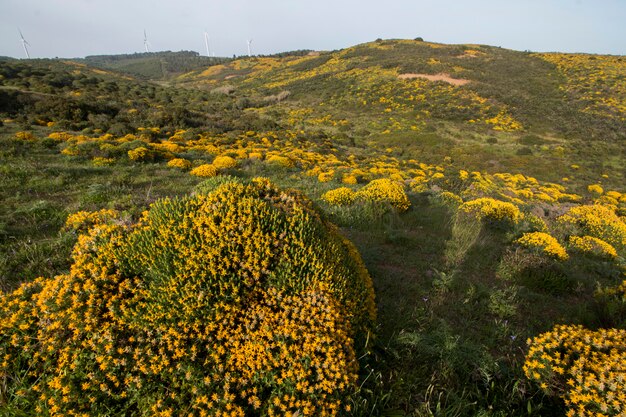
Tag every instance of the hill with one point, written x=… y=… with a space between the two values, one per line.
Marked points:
x=516 y=110
x=153 y=65
x=482 y=187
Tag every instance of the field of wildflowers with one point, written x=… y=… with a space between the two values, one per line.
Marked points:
x=179 y=279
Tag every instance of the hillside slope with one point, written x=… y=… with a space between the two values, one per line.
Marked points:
x=517 y=110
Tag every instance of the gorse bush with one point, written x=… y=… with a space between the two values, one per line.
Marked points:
x=179 y=163
x=544 y=243
x=493 y=210
x=583 y=367
x=384 y=191
x=204 y=170
x=82 y=221
x=281 y=161
x=224 y=162
x=140 y=154
x=600 y=222
x=339 y=196
x=242 y=301
x=592 y=246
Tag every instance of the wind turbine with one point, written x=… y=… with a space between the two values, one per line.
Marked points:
x=24 y=43
x=249 y=41
x=145 y=41
x=206 y=43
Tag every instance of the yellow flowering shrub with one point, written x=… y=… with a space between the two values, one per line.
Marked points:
x=491 y=209
x=349 y=179
x=583 y=367
x=205 y=170
x=595 y=189
x=326 y=176
x=592 y=245
x=242 y=301
x=341 y=196
x=180 y=163
x=281 y=161
x=61 y=136
x=140 y=154
x=617 y=291
x=24 y=136
x=384 y=190
x=70 y=151
x=600 y=222
x=450 y=198
x=545 y=243
x=224 y=162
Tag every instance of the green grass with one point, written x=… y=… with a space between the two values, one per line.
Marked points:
x=39 y=188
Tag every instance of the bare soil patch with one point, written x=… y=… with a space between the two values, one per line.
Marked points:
x=436 y=77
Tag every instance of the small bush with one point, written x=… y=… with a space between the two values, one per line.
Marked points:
x=224 y=162
x=590 y=245
x=385 y=191
x=179 y=163
x=141 y=154
x=598 y=221
x=205 y=170
x=342 y=196
x=492 y=210
x=280 y=161
x=101 y=162
x=544 y=243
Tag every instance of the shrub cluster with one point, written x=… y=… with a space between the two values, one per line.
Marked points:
x=598 y=221
x=204 y=170
x=592 y=246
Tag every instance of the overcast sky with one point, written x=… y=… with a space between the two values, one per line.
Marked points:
x=76 y=28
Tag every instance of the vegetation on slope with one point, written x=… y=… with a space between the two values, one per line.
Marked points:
x=468 y=256
x=516 y=111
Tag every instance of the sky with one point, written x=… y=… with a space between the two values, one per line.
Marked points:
x=76 y=28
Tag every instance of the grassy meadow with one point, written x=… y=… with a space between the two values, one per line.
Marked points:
x=487 y=205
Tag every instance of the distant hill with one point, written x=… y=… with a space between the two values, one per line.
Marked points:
x=153 y=65
x=566 y=93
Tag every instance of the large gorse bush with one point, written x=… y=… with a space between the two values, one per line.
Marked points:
x=239 y=301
